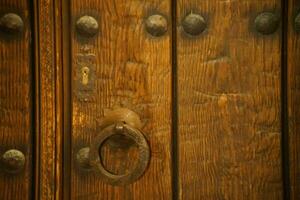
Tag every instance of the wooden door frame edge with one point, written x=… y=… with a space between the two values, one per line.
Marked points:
x=48 y=99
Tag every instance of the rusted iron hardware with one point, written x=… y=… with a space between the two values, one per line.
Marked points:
x=122 y=122
x=156 y=25
x=82 y=158
x=13 y=161
x=194 y=24
x=297 y=23
x=85 y=76
x=87 y=26
x=267 y=23
x=11 y=23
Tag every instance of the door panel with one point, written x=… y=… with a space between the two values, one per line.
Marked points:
x=117 y=65
x=229 y=99
x=15 y=100
x=293 y=52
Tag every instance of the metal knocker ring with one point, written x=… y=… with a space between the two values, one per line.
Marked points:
x=143 y=148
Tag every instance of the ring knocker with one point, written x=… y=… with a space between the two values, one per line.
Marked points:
x=120 y=128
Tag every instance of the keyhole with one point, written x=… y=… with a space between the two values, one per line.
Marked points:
x=85 y=75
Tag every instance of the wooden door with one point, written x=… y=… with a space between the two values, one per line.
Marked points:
x=156 y=99
x=124 y=68
x=229 y=101
x=16 y=100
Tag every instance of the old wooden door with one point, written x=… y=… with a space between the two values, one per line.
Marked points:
x=149 y=99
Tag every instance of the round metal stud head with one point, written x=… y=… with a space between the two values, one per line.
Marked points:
x=297 y=23
x=266 y=23
x=11 y=23
x=13 y=161
x=194 y=24
x=82 y=158
x=156 y=25
x=87 y=26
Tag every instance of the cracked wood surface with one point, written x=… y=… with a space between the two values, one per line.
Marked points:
x=133 y=70
x=16 y=101
x=229 y=102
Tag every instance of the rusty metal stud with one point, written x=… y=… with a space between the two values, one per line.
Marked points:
x=194 y=24
x=297 y=23
x=11 y=23
x=13 y=161
x=82 y=158
x=267 y=23
x=87 y=26
x=156 y=25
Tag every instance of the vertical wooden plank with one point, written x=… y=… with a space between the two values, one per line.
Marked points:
x=49 y=75
x=132 y=70
x=229 y=103
x=16 y=101
x=293 y=51
x=47 y=99
x=59 y=133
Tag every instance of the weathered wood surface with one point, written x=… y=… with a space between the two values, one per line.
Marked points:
x=48 y=56
x=132 y=70
x=293 y=52
x=16 y=131
x=229 y=101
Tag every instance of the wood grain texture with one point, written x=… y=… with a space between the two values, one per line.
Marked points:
x=132 y=70
x=229 y=100
x=59 y=133
x=49 y=81
x=293 y=51
x=16 y=101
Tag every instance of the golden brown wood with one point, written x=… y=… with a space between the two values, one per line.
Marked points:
x=293 y=50
x=229 y=103
x=59 y=133
x=16 y=101
x=132 y=70
x=49 y=135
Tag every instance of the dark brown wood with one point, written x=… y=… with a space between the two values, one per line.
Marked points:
x=229 y=103
x=293 y=50
x=16 y=131
x=132 y=70
x=67 y=105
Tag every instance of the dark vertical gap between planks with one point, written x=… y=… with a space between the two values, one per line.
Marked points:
x=284 y=104
x=175 y=185
x=36 y=102
x=34 y=98
x=66 y=98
